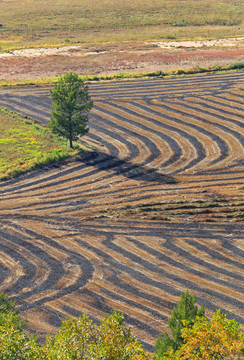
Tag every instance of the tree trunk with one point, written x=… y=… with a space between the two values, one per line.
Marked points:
x=70 y=132
x=70 y=142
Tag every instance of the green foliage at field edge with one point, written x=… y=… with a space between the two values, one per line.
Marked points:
x=78 y=338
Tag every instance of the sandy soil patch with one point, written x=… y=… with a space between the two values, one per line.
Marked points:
x=201 y=43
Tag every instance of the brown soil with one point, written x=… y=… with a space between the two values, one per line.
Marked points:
x=114 y=58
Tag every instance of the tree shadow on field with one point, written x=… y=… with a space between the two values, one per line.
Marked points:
x=103 y=161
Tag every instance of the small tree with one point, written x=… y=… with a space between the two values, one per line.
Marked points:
x=219 y=338
x=186 y=311
x=71 y=103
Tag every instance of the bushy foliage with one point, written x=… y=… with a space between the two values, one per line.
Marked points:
x=218 y=338
x=82 y=339
x=76 y=339
x=15 y=344
x=9 y=314
x=186 y=310
x=71 y=341
x=71 y=103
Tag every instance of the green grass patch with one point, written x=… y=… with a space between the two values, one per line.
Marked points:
x=26 y=145
x=31 y=23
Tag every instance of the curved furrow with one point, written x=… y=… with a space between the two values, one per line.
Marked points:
x=170 y=150
x=33 y=260
x=113 y=142
x=131 y=148
x=193 y=150
x=144 y=120
x=103 y=143
x=216 y=148
x=225 y=112
x=158 y=143
x=235 y=99
x=143 y=143
x=50 y=269
x=221 y=132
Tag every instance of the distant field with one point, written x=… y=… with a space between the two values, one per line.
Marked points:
x=35 y=23
x=25 y=145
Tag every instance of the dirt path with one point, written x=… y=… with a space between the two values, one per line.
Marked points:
x=113 y=58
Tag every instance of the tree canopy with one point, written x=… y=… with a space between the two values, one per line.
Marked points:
x=71 y=103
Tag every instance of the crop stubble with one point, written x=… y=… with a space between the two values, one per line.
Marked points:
x=67 y=248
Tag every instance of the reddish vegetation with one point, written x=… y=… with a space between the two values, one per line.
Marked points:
x=105 y=59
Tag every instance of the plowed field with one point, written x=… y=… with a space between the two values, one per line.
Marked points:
x=156 y=207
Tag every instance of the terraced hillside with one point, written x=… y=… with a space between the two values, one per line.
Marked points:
x=154 y=208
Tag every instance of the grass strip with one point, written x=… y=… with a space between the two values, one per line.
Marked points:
x=26 y=145
x=126 y=76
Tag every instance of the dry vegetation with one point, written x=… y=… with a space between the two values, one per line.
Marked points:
x=126 y=226
x=28 y=23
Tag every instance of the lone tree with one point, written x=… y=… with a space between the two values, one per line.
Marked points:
x=71 y=103
x=186 y=310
